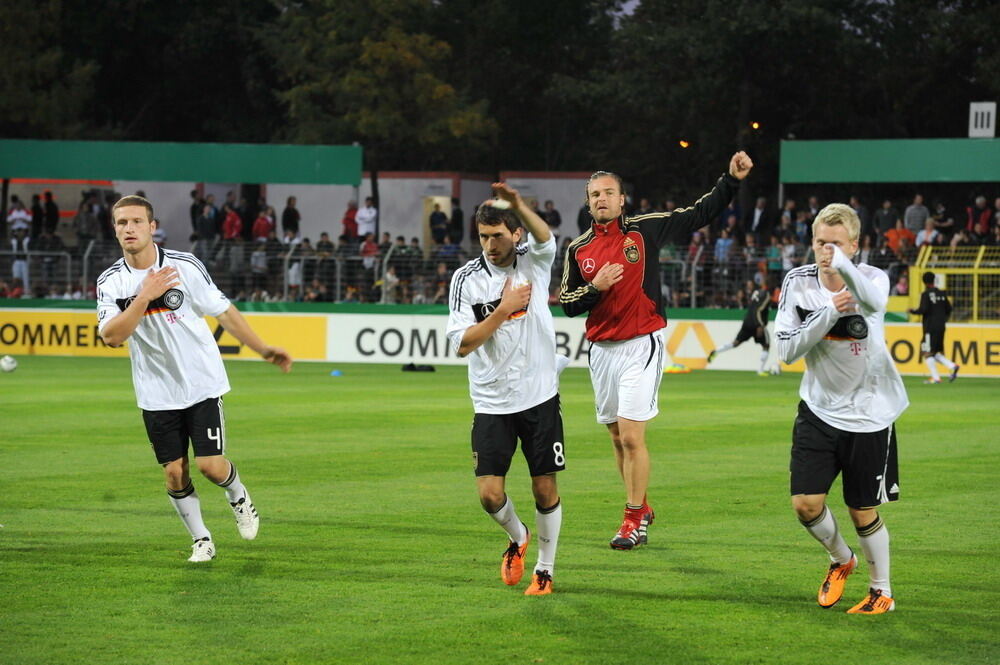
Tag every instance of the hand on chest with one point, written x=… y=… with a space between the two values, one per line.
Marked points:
x=625 y=250
x=489 y=301
x=170 y=301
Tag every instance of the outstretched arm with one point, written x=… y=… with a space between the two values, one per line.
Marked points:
x=238 y=327
x=682 y=222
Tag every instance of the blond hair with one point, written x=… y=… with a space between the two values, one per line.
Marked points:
x=838 y=213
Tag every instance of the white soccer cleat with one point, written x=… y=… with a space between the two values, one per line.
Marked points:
x=202 y=550
x=247 y=520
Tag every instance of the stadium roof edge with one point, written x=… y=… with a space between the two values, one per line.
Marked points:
x=890 y=160
x=183 y=162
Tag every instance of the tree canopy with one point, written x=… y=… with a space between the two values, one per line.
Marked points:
x=516 y=84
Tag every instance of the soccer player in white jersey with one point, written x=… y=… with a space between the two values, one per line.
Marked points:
x=500 y=319
x=156 y=299
x=832 y=313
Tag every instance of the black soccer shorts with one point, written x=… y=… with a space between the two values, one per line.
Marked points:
x=932 y=342
x=751 y=330
x=866 y=459
x=540 y=429
x=203 y=424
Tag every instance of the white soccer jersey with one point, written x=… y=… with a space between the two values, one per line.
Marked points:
x=515 y=369
x=175 y=359
x=850 y=382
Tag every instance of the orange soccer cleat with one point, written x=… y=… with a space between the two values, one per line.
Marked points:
x=833 y=586
x=874 y=603
x=512 y=563
x=541 y=584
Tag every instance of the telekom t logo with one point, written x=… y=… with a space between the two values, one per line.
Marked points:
x=856 y=348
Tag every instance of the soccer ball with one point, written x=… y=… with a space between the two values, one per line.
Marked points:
x=775 y=370
x=8 y=363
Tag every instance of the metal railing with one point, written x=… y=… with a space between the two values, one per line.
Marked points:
x=698 y=276
x=971 y=276
x=37 y=269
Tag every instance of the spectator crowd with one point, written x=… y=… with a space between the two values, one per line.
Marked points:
x=255 y=255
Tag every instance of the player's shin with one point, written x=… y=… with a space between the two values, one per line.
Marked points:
x=188 y=507
x=824 y=529
x=932 y=368
x=548 y=521
x=874 y=539
x=950 y=364
x=233 y=486
x=506 y=517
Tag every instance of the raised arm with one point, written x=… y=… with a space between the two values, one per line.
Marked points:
x=871 y=295
x=536 y=226
x=680 y=223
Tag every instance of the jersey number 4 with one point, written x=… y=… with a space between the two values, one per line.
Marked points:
x=215 y=434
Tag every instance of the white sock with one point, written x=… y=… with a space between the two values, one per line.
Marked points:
x=944 y=361
x=824 y=529
x=932 y=367
x=507 y=517
x=188 y=507
x=725 y=347
x=234 y=488
x=875 y=543
x=547 y=523
x=763 y=360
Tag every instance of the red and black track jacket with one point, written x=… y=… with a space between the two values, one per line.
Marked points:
x=633 y=306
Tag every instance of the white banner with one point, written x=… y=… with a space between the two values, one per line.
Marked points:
x=421 y=339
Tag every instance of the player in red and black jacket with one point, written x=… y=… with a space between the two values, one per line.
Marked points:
x=625 y=251
x=613 y=272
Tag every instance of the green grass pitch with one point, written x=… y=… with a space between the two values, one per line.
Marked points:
x=373 y=548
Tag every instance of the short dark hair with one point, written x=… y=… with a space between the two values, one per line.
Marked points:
x=133 y=200
x=928 y=277
x=488 y=215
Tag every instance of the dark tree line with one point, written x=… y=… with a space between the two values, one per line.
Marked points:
x=523 y=84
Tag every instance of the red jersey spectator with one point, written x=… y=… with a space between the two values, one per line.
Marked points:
x=893 y=235
x=262 y=227
x=978 y=218
x=349 y=221
x=232 y=225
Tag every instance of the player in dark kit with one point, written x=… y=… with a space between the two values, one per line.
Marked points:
x=754 y=325
x=612 y=273
x=935 y=308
